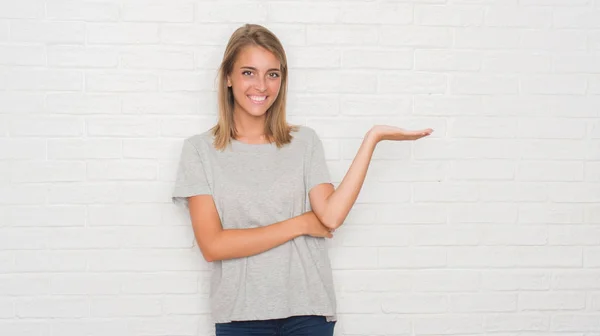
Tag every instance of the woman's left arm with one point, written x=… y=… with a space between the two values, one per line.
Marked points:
x=333 y=205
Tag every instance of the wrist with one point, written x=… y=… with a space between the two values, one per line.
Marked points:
x=301 y=225
x=372 y=137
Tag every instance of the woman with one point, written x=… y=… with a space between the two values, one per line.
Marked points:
x=261 y=200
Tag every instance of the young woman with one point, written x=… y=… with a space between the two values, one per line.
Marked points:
x=261 y=200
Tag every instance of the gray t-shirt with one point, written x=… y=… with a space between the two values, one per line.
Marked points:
x=257 y=185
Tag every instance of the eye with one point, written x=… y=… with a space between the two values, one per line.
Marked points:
x=274 y=75
x=246 y=72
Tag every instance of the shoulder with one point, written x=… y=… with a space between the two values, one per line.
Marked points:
x=200 y=141
x=304 y=134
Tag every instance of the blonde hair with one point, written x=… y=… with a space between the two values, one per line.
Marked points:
x=276 y=127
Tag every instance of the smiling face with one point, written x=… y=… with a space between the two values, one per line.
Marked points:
x=255 y=81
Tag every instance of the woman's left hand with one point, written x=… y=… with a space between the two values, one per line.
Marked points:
x=386 y=132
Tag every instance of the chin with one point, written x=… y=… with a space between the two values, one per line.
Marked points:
x=256 y=112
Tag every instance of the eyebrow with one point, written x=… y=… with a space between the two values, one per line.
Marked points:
x=253 y=68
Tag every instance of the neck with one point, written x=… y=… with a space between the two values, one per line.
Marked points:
x=249 y=126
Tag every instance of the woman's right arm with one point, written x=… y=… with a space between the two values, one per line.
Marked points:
x=218 y=244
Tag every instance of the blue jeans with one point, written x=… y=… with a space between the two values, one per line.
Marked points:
x=309 y=325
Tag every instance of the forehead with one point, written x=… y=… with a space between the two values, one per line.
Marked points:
x=257 y=57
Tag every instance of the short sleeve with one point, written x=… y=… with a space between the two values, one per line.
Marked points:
x=191 y=177
x=317 y=169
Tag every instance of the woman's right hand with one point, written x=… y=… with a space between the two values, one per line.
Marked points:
x=313 y=226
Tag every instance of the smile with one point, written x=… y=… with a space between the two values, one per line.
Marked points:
x=258 y=99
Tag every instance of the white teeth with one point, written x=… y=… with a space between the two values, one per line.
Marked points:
x=258 y=98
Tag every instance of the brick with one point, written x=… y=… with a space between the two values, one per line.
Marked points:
x=120 y=82
x=82 y=11
x=483 y=127
x=157 y=11
x=359 y=35
x=551 y=301
x=485 y=38
x=353 y=257
x=372 y=280
x=15 y=149
x=120 y=215
x=416 y=36
x=49 y=126
x=82 y=56
x=25 y=9
x=52 y=307
x=470 y=150
x=580 y=280
x=409 y=257
x=515 y=280
x=415 y=304
x=549 y=171
x=157 y=59
x=521 y=322
x=484 y=84
x=575 y=322
x=379 y=13
x=419 y=83
x=576 y=18
x=514 y=235
x=238 y=12
x=476 y=303
x=553 y=84
x=445 y=281
x=372 y=236
x=516 y=61
x=37 y=215
x=22 y=55
x=313 y=57
x=459 y=16
x=445 y=60
x=442 y=235
x=186 y=304
x=41 y=80
x=125 y=306
x=481 y=170
x=448 y=325
x=370 y=324
x=123 y=126
x=303 y=12
x=377 y=58
x=340 y=81
x=48 y=171
x=443 y=192
x=518 y=17
x=83 y=103
x=47 y=32
x=552 y=40
x=183 y=34
x=122 y=33
x=358 y=303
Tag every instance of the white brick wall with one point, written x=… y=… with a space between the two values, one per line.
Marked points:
x=489 y=227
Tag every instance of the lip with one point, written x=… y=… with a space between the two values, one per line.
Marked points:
x=258 y=102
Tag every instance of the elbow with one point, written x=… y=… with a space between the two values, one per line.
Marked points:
x=210 y=249
x=209 y=254
x=332 y=222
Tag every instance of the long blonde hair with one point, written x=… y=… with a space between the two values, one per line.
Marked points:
x=276 y=127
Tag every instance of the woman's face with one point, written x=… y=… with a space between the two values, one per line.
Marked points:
x=255 y=80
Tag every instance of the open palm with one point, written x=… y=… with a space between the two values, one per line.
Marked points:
x=387 y=132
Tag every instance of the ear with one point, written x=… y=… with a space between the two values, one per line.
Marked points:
x=228 y=81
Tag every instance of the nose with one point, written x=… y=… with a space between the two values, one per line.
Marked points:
x=261 y=85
